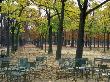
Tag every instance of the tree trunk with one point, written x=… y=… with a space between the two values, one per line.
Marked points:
x=8 y=37
x=49 y=32
x=94 y=42
x=0 y=28
x=86 y=40
x=60 y=33
x=50 y=40
x=45 y=42
x=49 y=35
x=80 y=40
x=72 y=40
x=98 y=42
x=17 y=37
x=41 y=42
x=12 y=38
x=90 y=43
x=104 y=41
x=108 y=40
x=65 y=42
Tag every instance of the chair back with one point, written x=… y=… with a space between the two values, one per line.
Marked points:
x=3 y=54
x=23 y=62
x=81 y=61
x=98 y=61
x=40 y=59
x=65 y=63
x=106 y=60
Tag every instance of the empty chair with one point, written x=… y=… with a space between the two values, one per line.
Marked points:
x=18 y=73
x=65 y=63
x=97 y=61
x=81 y=61
x=23 y=63
x=40 y=60
x=3 y=54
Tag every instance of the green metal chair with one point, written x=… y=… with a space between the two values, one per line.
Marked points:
x=19 y=72
x=40 y=61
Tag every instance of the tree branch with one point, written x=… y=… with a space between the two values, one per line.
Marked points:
x=14 y=11
x=79 y=4
x=40 y=5
x=68 y=10
x=21 y=10
x=96 y=7
x=47 y=12
x=58 y=14
x=54 y=15
x=85 y=5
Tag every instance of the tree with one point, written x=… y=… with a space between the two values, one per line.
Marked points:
x=104 y=21
x=60 y=31
x=83 y=13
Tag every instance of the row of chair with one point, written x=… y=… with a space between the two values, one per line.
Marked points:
x=68 y=67
x=82 y=68
x=22 y=70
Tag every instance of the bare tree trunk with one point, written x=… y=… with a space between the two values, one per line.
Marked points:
x=98 y=41
x=108 y=40
x=8 y=37
x=72 y=41
x=90 y=42
x=80 y=40
x=94 y=42
x=50 y=40
x=17 y=38
x=104 y=41
x=12 y=38
x=60 y=33
x=45 y=42
x=86 y=40
x=50 y=32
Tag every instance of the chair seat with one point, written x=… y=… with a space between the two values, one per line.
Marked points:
x=15 y=73
x=80 y=67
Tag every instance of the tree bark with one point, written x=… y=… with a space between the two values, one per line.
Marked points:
x=60 y=32
x=90 y=42
x=86 y=41
x=94 y=42
x=13 y=38
x=80 y=40
x=49 y=33
x=104 y=41
x=50 y=40
x=72 y=41
x=108 y=34
x=1 y=30
x=45 y=42
x=8 y=37
x=41 y=41
x=98 y=41
x=17 y=38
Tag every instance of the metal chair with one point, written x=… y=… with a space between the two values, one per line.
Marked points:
x=64 y=71
x=40 y=61
x=23 y=63
x=2 y=72
x=19 y=72
x=17 y=75
x=97 y=61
